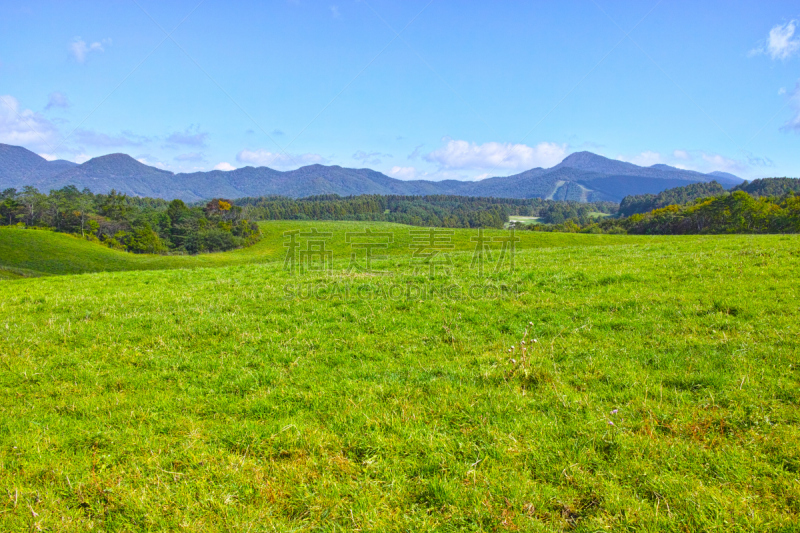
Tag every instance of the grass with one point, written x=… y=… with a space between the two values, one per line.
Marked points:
x=662 y=394
x=32 y=253
x=9 y=274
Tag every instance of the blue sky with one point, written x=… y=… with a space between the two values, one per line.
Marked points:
x=416 y=89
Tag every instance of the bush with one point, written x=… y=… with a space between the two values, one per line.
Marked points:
x=146 y=241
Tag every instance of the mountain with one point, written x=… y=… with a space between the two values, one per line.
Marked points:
x=582 y=176
x=105 y=172
x=20 y=167
x=725 y=176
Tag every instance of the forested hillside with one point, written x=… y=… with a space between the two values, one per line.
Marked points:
x=736 y=212
x=679 y=195
x=775 y=187
x=141 y=225
x=770 y=186
x=438 y=210
x=733 y=213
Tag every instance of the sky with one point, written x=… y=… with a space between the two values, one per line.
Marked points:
x=417 y=89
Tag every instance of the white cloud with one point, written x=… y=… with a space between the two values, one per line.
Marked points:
x=49 y=157
x=698 y=161
x=781 y=91
x=143 y=160
x=57 y=99
x=278 y=160
x=780 y=43
x=645 y=159
x=224 y=166
x=335 y=12
x=493 y=155
x=403 y=173
x=718 y=162
x=80 y=48
x=23 y=127
x=83 y=158
x=756 y=161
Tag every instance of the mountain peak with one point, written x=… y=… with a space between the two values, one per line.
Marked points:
x=582 y=176
x=582 y=157
x=727 y=176
x=20 y=167
x=113 y=157
x=119 y=165
x=590 y=162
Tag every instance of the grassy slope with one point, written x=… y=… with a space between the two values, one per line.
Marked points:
x=36 y=252
x=208 y=400
x=8 y=274
x=45 y=252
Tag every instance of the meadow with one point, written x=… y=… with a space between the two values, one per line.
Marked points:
x=658 y=390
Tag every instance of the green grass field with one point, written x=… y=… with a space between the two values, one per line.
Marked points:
x=31 y=253
x=157 y=394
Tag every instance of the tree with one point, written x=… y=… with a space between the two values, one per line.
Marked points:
x=10 y=208
x=34 y=204
x=114 y=205
x=84 y=205
x=146 y=241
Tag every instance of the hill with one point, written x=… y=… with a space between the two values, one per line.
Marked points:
x=34 y=253
x=770 y=186
x=662 y=394
x=105 y=172
x=20 y=167
x=582 y=176
x=644 y=203
x=679 y=195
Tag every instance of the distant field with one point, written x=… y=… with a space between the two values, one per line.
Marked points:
x=38 y=252
x=535 y=220
x=524 y=220
x=662 y=395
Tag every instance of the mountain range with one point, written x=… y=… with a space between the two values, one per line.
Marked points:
x=582 y=176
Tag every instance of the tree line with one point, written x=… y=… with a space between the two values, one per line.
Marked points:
x=140 y=225
x=643 y=203
x=738 y=212
x=735 y=212
x=433 y=210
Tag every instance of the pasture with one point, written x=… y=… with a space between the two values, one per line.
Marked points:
x=658 y=390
